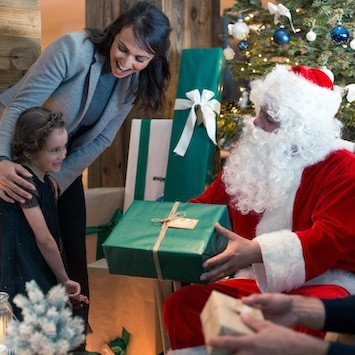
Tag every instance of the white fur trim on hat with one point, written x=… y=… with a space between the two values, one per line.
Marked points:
x=292 y=91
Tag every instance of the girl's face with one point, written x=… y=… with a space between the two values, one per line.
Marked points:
x=126 y=57
x=50 y=158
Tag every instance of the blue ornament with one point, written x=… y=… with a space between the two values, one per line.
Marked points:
x=281 y=36
x=339 y=34
x=243 y=44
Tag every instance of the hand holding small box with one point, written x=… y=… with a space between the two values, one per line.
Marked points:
x=221 y=316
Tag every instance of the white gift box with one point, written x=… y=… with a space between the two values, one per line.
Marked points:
x=147 y=159
x=221 y=316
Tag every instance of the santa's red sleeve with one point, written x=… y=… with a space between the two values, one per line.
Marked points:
x=322 y=237
x=214 y=194
x=244 y=225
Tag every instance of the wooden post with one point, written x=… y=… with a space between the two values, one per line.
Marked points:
x=196 y=24
x=20 y=34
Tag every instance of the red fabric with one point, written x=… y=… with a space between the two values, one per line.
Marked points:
x=314 y=75
x=323 y=213
x=241 y=224
x=182 y=309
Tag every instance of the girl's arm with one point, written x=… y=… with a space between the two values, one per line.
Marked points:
x=49 y=248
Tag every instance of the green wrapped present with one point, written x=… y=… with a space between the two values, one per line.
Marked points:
x=151 y=240
x=193 y=138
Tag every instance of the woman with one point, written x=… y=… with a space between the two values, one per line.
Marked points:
x=94 y=78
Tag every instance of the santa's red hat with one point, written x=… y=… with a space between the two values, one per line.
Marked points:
x=307 y=92
x=316 y=76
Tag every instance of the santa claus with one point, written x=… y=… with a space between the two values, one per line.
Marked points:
x=289 y=186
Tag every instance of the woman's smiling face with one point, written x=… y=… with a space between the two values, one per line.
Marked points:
x=126 y=56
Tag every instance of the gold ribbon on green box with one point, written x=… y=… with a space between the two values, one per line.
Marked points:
x=174 y=220
x=161 y=235
x=138 y=247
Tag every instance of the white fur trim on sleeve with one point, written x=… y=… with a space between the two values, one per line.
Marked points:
x=283 y=267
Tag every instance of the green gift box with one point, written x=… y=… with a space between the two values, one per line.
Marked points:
x=142 y=245
x=192 y=145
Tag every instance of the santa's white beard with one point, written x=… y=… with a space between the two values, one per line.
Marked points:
x=261 y=170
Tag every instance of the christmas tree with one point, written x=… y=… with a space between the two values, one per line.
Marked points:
x=316 y=33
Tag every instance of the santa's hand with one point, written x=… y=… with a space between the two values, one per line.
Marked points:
x=240 y=253
x=12 y=184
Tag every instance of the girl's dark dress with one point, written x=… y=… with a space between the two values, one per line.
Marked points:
x=20 y=257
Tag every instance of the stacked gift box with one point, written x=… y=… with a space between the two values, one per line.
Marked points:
x=190 y=163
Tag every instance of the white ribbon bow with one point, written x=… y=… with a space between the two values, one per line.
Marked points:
x=350 y=92
x=209 y=108
x=280 y=10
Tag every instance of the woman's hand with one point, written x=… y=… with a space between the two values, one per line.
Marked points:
x=289 y=310
x=276 y=307
x=269 y=338
x=240 y=253
x=12 y=184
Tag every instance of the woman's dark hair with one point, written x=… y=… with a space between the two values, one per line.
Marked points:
x=151 y=29
x=32 y=129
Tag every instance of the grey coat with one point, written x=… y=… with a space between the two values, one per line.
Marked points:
x=64 y=79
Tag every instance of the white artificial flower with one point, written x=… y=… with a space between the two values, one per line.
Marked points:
x=48 y=327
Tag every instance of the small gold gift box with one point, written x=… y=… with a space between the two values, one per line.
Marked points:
x=221 y=316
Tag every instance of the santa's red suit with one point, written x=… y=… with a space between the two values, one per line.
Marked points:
x=307 y=242
x=315 y=256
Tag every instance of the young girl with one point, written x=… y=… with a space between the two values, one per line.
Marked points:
x=30 y=241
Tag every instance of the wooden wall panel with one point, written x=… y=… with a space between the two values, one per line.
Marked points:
x=110 y=168
x=195 y=24
x=20 y=34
